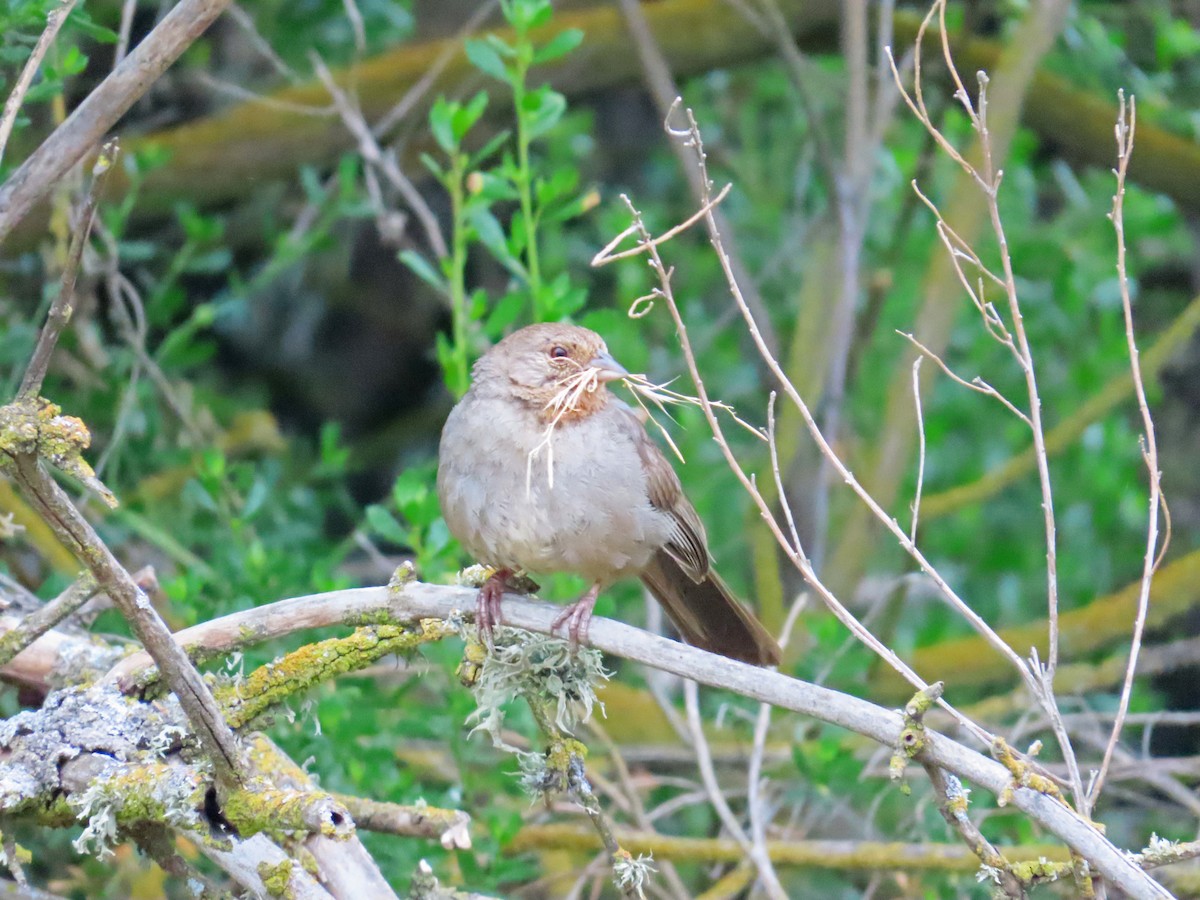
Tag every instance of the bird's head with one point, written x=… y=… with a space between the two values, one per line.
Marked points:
x=559 y=369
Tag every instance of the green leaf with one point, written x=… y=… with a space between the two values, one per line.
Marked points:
x=484 y=56
x=492 y=189
x=441 y=123
x=559 y=45
x=432 y=165
x=384 y=524
x=80 y=21
x=422 y=269
x=504 y=314
x=542 y=109
x=466 y=116
x=73 y=61
x=483 y=153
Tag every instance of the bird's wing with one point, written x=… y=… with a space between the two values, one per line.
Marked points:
x=687 y=544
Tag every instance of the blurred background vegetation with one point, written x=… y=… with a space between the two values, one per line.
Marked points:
x=273 y=328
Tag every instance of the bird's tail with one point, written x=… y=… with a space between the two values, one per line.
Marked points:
x=707 y=615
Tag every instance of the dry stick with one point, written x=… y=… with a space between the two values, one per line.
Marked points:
x=416 y=600
x=1039 y=677
x=636 y=808
x=63 y=306
x=54 y=21
x=952 y=803
x=664 y=91
x=451 y=49
x=916 y=504
x=756 y=851
x=89 y=122
x=41 y=620
x=692 y=137
x=976 y=384
x=374 y=156
x=1125 y=133
x=754 y=799
x=989 y=184
x=77 y=534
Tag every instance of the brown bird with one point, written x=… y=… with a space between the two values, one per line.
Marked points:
x=542 y=469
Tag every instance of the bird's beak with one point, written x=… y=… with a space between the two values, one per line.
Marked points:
x=608 y=368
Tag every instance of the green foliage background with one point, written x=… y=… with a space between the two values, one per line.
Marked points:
x=238 y=502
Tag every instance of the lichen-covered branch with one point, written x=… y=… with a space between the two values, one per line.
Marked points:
x=32 y=429
x=451 y=827
x=38 y=622
x=845 y=855
x=314 y=664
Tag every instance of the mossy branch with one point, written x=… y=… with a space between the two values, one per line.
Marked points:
x=314 y=664
x=843 y=855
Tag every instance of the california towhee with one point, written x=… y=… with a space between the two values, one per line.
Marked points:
x=527 y=483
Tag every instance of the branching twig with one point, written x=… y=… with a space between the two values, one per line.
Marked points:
x=1125 y=127
x=54 y=21
x=63 y=306
x=110 y=100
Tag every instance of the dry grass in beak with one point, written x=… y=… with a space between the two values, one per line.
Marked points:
x=571 y=392
x=575 y=387
x=662 y=396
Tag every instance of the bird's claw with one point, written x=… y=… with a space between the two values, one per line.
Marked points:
x=577 y=617
x=488 y=611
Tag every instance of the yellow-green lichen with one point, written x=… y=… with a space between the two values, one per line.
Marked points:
x=314 y=664
x=279 y=813
x=1022 y=774
x=277 y=879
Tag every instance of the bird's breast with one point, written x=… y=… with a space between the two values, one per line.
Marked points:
x=571 y=499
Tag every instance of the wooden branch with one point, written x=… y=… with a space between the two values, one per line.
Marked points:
x=92 y=119
x=416 y=601
x=347 y=870
x=212 y=159
x=56 y=508
x=810 y=854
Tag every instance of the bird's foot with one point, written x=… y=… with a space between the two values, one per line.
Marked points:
x=488 y=613
x=578 y=616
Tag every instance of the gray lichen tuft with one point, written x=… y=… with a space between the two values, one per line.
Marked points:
x=542 y=670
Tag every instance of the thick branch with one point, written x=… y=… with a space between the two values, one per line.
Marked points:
x=844 y=855
x=92 y=119
x=417 y=601
x=53 y=504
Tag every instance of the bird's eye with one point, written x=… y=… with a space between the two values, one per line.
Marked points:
x=559 y=352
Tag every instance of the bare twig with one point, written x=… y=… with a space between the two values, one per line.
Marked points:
x=1125 y=127
x=1039 y=677
x=975 y=384
x=664 y=91
x=77 y=534
x=374 y=156
x=690 y=137
x=41 y=620
x=988 y=180
x=916 y=504
x=88 y=123
x=54 y=22
x=756 y=850
x=63 y=306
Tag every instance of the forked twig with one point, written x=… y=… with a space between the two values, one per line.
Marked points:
x=1124 y=130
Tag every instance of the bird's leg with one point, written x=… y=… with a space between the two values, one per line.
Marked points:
x=578 y=616
x=487 y=604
